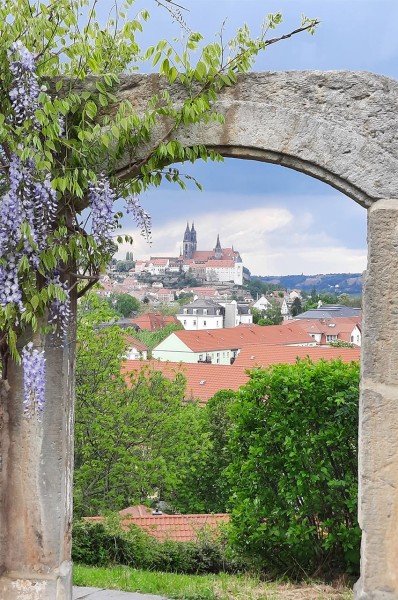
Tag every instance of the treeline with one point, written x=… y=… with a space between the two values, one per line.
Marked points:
x=350 y=283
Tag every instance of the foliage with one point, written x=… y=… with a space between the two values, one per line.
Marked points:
x=350 y=283
x=273 y=315
x=153 y=338
x=294 y=468
x=124 y=304
x=122 y=266
x=296 y=308
x=204 y=487
x=258 y=287
x=61 y=122
x=133 y=436
x=103 y=544
x=341 y=344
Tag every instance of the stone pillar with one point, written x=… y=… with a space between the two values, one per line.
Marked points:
x=36 y=484
x=378 y=416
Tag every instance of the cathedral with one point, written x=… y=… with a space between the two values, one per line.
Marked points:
x=220 y=265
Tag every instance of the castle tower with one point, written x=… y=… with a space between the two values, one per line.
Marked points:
x=218 y=249
x=193 y=238
x=187 y=243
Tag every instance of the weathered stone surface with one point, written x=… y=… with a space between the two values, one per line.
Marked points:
x=380 y=314
x=338 y=126
x=378 y=416
x=36 y=485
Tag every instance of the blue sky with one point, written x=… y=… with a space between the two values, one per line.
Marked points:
x=281 y=221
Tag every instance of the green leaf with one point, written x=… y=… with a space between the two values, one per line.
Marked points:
x=91 y=109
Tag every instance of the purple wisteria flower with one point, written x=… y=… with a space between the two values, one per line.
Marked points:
x=29 y=200
x=10 y=291
x=60 y=311
x=33 y=363
x=101 y=199
x=141 y=217
x=25 y=91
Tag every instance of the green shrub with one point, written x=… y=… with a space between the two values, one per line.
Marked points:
x=106 y=543
x=294 y=468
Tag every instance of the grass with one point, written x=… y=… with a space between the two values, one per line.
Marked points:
x=204 y=587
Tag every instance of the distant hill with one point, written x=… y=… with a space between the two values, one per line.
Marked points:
x=347 y=283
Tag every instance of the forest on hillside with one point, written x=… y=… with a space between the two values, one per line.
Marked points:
x=348 y=283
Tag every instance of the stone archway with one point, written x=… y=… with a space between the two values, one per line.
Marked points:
x=339 y=127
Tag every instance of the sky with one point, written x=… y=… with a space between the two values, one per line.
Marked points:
x=281 y=221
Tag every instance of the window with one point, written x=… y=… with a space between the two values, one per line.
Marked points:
x=205 y=311
x=194 y=322
x=331 y=338
x=185 y=311
x=205 y=323
x=194 y=311
x=200 y=356
x=185 y=321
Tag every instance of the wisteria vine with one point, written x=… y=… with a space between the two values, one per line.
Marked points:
x=29 y=216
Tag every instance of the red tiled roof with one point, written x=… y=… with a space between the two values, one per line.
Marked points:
x=203 y=379
x=152 y=321
x=180 y=528
x=220 y=263
x=136 y=511
x=159 y=261
x=237 y=337
x=264 y=356
x=340 y=326
x=133 y=342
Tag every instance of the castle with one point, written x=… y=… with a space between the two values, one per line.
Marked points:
x=219 y=265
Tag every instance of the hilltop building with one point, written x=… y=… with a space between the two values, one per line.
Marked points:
x=219 y=265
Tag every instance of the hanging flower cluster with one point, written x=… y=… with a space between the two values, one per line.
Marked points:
x=33 y=363
x=101 y=199
x=140 y=216
x=28 y=213
x=60 y=313
x=25 y=91
x=30 y=201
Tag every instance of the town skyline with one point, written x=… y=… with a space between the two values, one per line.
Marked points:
x=281 y=221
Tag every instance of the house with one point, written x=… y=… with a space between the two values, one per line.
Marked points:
x=263 y=304
x=220 y=346
x=330 y=311
x=326 y=331
x=207 y=314
x=136 y=350
x=178 y=528
x=201 y=314
x=204 y=379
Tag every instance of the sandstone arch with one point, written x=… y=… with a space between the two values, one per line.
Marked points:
x=341 y=128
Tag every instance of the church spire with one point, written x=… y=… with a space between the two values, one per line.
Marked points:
x=218 y=249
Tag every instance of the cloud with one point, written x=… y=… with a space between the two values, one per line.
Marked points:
x=271 y=240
